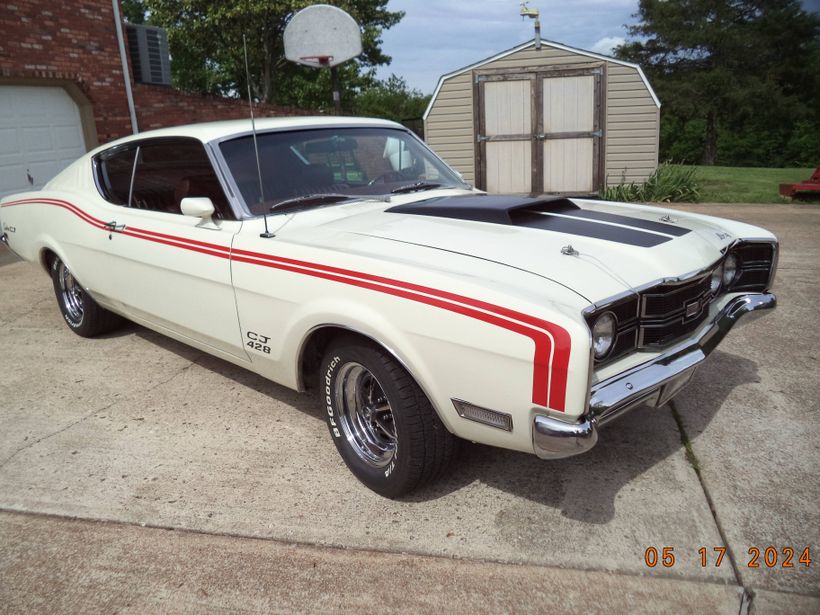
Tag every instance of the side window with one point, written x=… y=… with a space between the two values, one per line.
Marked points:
x=114 y=170
x=169 y=170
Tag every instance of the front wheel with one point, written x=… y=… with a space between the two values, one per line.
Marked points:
x=81 y=313
x=383 y=425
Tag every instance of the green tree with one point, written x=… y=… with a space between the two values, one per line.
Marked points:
x=133 y=11
x=205 y=40
x=736 y=77
x=391 y=99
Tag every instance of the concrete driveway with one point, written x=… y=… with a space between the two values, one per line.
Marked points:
x=108 y=444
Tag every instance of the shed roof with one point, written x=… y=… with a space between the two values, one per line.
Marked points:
x=545 y=43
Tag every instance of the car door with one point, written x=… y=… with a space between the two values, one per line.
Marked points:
x=164 y=268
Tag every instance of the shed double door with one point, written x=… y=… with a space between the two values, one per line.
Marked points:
x=539 y=132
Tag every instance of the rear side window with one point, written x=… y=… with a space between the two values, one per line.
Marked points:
x=166 y=171
x=114 y=170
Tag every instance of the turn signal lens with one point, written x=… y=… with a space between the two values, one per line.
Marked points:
x=493 y=418
x=603 y=335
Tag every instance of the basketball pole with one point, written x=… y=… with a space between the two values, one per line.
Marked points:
x=337 y=94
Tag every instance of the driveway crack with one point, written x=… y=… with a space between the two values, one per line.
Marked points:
x=748 y=595
x=55 y=433
x=87 y=416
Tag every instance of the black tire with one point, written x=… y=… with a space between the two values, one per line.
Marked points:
x=81 y=313
x=422 y=446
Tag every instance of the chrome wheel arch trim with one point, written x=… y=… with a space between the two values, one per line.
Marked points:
x=300 y=384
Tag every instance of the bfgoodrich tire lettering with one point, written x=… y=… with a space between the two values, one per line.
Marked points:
x=81 y=313
x=383 y=425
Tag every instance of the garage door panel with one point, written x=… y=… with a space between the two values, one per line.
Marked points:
x=67 y=137
x=8 y=142
x=13 y=179
x=37 y=139
x=40 y=134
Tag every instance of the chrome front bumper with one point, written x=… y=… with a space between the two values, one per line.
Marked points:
x=653 y=383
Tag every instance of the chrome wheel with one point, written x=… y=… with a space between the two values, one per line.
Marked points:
x=365 y=415
x=72 y=294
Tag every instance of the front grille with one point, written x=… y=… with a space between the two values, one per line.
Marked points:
x=670 y=311
x=663 y=314
x=665 y=300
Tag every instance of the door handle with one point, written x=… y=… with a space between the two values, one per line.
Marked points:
x=113 y=226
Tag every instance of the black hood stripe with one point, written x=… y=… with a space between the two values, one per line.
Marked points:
x=559 y=215
x=648 y=225
x=588 y=228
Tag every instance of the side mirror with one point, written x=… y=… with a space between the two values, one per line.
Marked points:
x=199 y=207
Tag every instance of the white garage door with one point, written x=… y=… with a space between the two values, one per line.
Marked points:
x=40 y=134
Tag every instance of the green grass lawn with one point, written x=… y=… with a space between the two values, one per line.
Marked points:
x=745 y=184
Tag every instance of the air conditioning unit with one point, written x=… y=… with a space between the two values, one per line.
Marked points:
x=148 y=47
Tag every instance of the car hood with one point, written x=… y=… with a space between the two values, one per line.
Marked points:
x=598 y=249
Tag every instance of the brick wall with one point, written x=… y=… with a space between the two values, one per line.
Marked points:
x=159 y=106
x=75 y=41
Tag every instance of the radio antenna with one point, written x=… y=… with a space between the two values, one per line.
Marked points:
x=267 y=234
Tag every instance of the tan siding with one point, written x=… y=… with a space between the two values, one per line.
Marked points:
x=627 y=130
x=631 y=144
x=449 y=127
x=629 y=91
x=632 y=118
x=631 y=127
x=646 y=115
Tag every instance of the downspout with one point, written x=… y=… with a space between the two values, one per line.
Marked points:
x=126 y=75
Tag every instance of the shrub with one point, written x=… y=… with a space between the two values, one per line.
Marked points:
x=669 y=183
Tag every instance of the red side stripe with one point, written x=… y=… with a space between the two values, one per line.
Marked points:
x=561 y=337
x=548 y=338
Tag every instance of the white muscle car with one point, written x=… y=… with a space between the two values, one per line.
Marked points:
x=341 y=254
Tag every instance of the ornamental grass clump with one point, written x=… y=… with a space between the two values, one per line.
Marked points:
x=670 y=183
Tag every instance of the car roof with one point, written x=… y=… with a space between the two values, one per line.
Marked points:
x=209 y=131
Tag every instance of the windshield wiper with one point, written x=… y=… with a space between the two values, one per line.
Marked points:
x=322 y=198
x=416 y=187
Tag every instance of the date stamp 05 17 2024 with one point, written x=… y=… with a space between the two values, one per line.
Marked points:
x=769 y=557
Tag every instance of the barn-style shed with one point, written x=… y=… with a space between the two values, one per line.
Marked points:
x=553 y=119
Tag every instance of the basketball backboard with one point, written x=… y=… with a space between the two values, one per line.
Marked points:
x=322 y=36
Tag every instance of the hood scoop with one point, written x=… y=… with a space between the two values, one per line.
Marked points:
x=484 y=207
x=559 y=214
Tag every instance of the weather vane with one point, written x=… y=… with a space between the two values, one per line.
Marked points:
x=533 y=14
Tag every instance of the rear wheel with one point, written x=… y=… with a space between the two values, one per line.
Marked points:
x=383 y=425
x=82 y=314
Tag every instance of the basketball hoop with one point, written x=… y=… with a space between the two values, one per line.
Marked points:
x=316 y=61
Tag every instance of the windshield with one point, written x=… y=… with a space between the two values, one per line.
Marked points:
x=363 y=162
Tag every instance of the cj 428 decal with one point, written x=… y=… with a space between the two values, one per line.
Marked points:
x=258 y=342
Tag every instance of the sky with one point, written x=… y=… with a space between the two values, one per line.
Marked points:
x=439 y=36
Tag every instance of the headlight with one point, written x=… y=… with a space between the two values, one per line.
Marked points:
x=603 y=335
x=717 y=278
x=729 y=269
